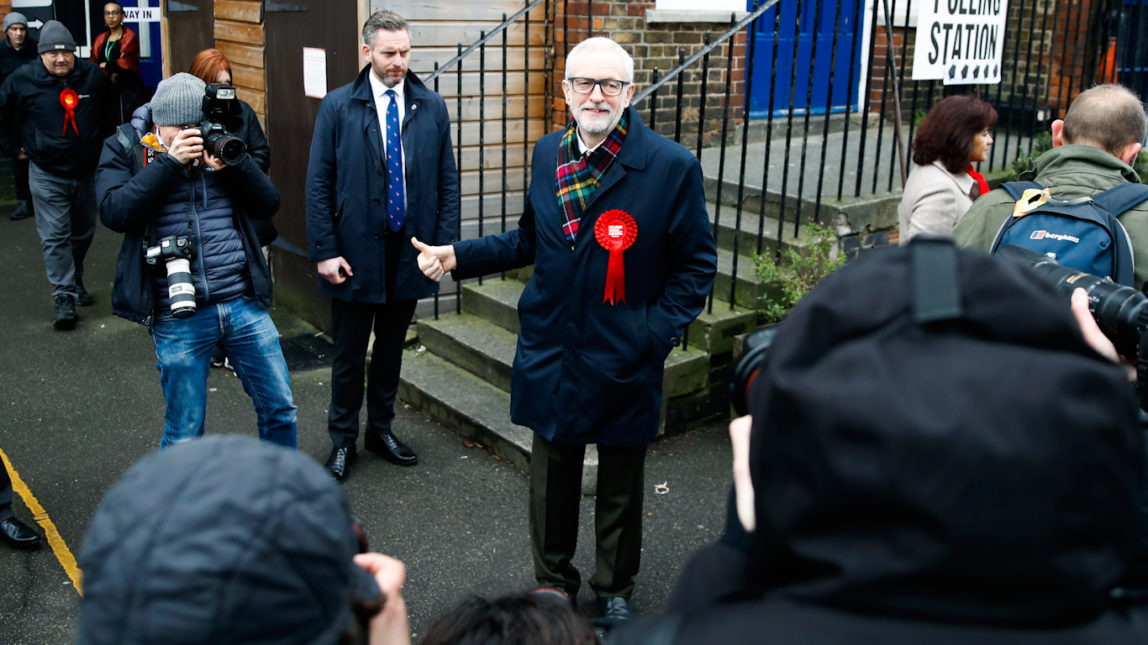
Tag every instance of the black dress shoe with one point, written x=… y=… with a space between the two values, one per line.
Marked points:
x=612 y=611
x=18 y=535
x=388 y=446
x=339 y=463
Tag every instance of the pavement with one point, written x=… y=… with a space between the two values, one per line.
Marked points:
x=78 y=408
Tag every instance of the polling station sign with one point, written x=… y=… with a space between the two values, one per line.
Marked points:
x=960 y=42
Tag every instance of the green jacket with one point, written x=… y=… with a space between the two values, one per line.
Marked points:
x=1070 y=171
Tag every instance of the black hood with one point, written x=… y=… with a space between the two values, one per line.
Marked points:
x=983 y=469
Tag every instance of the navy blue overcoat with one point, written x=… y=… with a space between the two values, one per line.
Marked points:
x=347 y=184
x=588 y=371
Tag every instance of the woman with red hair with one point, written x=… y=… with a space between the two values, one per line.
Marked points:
x=212 y=66
x=943 y=182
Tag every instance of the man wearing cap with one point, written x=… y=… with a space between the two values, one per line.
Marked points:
x=381 y=171
x=58 y=113
x=160 y=187
x=18 y=49
x=229 y=540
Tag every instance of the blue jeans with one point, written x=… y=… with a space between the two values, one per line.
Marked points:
x=183 y=351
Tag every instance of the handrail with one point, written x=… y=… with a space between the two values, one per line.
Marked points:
x=482 y=41
x=726 y=35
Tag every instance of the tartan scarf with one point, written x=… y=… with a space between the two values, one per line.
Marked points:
x=577 y=176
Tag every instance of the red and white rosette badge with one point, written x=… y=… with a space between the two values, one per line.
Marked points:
x=615 y=230
x=69 y=99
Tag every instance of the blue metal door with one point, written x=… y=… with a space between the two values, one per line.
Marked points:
x=774 y=42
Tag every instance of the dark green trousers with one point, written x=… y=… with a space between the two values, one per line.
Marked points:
x=555 y=493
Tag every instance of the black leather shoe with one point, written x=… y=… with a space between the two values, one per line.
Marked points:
x=339 y=463
x=388 y=446
x=18 y=535
x=612 y=611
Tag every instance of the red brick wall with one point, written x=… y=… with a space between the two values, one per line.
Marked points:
x=656 y=45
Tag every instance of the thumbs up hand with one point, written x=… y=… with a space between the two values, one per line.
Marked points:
x=435 y=261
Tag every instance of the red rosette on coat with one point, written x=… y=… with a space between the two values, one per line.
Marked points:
x=69 y=99
x=616 y=231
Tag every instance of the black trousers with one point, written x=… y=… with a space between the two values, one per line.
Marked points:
x=351 y=325
x=5 y=493
x=555 y=493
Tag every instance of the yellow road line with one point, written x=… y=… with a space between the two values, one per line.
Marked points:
x=63 y=554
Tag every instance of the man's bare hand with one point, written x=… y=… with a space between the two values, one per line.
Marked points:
x=336 y=270
x=390 y=625
x=186 y=145
x=435 y=261
x=1092 y=334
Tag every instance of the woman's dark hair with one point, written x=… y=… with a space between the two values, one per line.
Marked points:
x=947 y=132
x=519 y=619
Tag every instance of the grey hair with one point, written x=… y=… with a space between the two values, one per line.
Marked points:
x=600 y=43
x=385 y=21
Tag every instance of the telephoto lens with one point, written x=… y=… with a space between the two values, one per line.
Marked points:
x=179 y=287
x=1120 y=312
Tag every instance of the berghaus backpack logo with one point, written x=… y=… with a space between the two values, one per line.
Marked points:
x=1045 y=235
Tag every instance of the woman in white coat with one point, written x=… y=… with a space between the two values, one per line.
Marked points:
x=943 y=182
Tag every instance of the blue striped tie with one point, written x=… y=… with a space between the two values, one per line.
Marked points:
x=396 y=194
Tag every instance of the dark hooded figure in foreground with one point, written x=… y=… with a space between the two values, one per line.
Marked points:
x=936 y=456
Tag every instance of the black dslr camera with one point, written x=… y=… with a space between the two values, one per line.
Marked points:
x=754 y=350
x=1121 y=312
x=219 y=105
x=176 y=251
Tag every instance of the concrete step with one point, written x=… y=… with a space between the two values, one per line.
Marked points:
x=475 y=409
x=742 y=286
x=472 y=343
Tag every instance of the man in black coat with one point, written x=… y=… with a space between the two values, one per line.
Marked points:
x=361 y=214
x=18 y=50
x=58 y=113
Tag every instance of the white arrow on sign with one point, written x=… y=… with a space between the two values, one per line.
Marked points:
x=35 y=24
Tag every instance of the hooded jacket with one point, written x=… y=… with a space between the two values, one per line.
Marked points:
x=973 y=478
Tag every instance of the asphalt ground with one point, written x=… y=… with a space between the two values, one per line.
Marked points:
x=80 y=407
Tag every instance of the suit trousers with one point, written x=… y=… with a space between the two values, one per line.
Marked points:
x=351 y=325
x=555 y=495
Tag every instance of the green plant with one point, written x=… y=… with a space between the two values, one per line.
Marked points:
x=800 y=269
x=1041 y=144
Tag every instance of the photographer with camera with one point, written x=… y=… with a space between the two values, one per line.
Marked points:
x=935 y=453
x=184 y=193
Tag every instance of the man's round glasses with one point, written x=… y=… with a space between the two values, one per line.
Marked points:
x=112 y=13
x=609 y=86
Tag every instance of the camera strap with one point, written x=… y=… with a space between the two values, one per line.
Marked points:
x=936 y=287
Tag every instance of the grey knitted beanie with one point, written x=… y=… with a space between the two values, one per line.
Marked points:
x=178 y=100
x=14 y=18
x=55 y=36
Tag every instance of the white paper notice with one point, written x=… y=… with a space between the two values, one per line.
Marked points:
x=315 y=72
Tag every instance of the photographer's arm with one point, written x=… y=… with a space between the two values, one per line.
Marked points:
x=127 y=201
x=249 y=188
